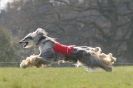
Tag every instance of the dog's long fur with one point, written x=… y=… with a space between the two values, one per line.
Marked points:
x=88 y=56
x=33 y=60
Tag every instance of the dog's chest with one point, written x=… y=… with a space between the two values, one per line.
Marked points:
x=46 y=50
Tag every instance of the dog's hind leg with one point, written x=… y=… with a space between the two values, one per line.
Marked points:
x=106 y=68
x=90 y=61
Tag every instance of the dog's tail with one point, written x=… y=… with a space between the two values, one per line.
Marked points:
x=105 y=61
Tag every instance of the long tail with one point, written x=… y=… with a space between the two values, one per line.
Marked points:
x=96 y=58
x=105 y=61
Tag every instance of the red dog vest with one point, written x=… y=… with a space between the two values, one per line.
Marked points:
x=63 y=49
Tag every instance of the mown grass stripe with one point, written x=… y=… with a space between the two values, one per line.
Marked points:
x=121 y=77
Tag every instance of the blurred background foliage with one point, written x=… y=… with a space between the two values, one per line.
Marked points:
x=104 y=23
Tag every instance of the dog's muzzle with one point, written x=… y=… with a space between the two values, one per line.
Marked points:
x=23 y=43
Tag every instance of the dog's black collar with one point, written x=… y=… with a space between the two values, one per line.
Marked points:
x=40 y=39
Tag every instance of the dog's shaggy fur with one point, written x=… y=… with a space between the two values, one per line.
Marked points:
x=106 y=59
x=33 y=60
x=51 y=50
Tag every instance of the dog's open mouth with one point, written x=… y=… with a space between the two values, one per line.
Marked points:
x=24 y=44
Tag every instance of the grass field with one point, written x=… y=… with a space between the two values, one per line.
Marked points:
x=121 y=77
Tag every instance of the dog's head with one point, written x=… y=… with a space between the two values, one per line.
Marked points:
x=33 y=38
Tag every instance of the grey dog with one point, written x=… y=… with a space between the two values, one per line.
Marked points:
x=51 y=50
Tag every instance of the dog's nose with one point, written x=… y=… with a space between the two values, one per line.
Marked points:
x=21 y=41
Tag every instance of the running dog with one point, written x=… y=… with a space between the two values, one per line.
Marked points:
x=52 y=50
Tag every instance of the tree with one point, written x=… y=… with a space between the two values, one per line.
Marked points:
x=104 y=23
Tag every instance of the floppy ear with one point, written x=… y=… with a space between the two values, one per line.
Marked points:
x=41 y=31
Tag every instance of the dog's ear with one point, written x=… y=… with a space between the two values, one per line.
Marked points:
x=41 y=31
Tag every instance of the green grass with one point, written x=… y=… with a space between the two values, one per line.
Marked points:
x=121 y=77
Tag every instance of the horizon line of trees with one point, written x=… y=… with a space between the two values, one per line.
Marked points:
x=104 y=23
